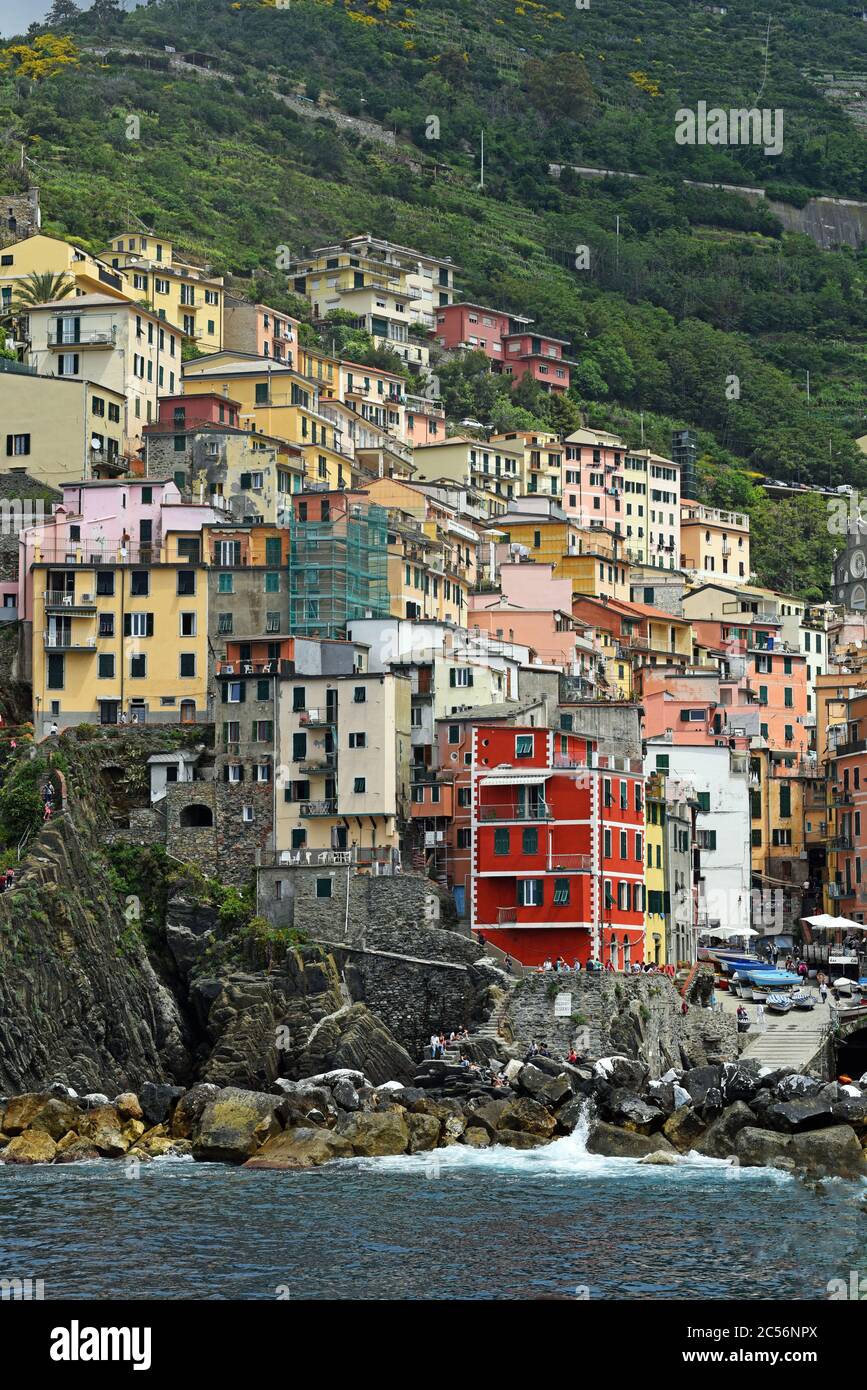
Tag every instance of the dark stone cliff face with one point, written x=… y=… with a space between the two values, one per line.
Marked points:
x=79 y=999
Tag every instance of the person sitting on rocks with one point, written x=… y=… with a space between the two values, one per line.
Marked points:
x=572 y=1055
x=576 y=966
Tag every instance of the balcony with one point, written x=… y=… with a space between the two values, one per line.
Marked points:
x=505 y=811
x=327 y=807
x=234 y=669
x=569 y=864
x=56 y=598
x=317 y=718
x=66 y=642
x=841 y=796
x=319 y=763
x=506 y=916
x=837 y=890
x=840 y=842
x=87 y=338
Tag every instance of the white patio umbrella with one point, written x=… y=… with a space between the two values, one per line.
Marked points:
x=823 y=921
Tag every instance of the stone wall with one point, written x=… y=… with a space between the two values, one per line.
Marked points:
x=416 y=998
x=402 y=903
x=226 y=849
x=636 y=1015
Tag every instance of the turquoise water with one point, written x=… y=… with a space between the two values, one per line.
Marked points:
x=457 y=1224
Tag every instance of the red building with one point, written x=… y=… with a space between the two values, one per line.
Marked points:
x=557 y=847
x=506 y=340
x=184 y=412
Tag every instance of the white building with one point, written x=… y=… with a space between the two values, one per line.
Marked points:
x=720 y=779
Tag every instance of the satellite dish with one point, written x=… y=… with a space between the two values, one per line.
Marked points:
x=95 y=446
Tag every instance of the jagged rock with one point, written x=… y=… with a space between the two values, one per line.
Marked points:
x=133 y=1131
x=406 y=1096
x=512 y=1070
x=345 y=1096
x=21 y=1110
x=234 y=1126
x=424 y=1133
x=78 y=1151
x=56 y=1117
x=102 y=1128
x=476 y=1138
x=161 y=1146
x=834 y=1150
x=94 y=1100
x=528 y=1116
x=158 y=1100
x=611 y=1142
x=684 y=1128
x=545 y=1087
x=189 y=1108
x=756 y=1148
x=33 y=1146
x=631 y=1112
x=660 y=1158
x=742 y=1081
x=713 y=1104
x=189 y=930
x=301 y=1148
x=373 y=1135
x=571 y=1114
x=128 y=1107
x=852 y=1110
x=719 y=1140
x=796 y=1084
x=356 y=1038
x=520 y=1139
x=623 y=1073
x=662 y=1096
x=488 y=1116
x=698 y=1081
x=796 y=1116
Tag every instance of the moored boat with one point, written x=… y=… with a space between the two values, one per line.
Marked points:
x=803 y=999
x=779 y=1003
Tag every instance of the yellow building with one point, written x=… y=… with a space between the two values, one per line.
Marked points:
x=591 y=559
x=44 y=255
x=278 y=401
x=655 y=878
x=542 y=464
x=491 y=468
x=125 y=640
x=187 y=296
x=715 y=544
x=433 y=561
x=61 y=429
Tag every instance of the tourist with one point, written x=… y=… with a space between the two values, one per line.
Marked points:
x=546 y=965
x=123 y=716
x=434 y=1046
x=802 y=971
x=572 y=1055
x=441 y=1043
x=482 y=938
x=507 y=965
x=46 y=811
x=576 y=966
x=823 y=988
x=544 y=1050
x=52 y=732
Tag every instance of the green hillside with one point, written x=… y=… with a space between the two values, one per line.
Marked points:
x=698 y=288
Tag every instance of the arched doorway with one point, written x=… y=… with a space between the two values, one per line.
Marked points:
x=196 y=817
x=188 y=711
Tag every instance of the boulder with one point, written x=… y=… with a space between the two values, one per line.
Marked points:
x=699 y=1080
x=128 y=1107
x=476 y=1137
x=453 y=1129
x=520 y=1139
x=662 y=1096
x=527 y=1116
x=759 y=1148
x=345 y=1095
x=375 y=1134
x=301 y=1148
x=852 y=1110
x=424 y=1133
x=741 y=1081
x=797 y=1116
x=161 y=1146
x=797 y=1084
x=234 y=1126
x=512 y=1070
x=102 y=1128
x=631 y=1112
x=34 y=1146
x=21 y=1110
x=158 y=1101
x=547 y=1088
x=94 y=1099
x=133 y=1131
x=611 y=1142
x=719 y=1139
x=190 y=1107
x=836 y=1150
x=487 y=1116
x=660 y=1158
x=56 y=1117
x=570 y=1115
x=622 y=1072
x=684 y=1128
x=78 y=1151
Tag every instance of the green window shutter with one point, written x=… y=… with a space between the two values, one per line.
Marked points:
x=501 y=842
x=272 y=551
x=785 y=801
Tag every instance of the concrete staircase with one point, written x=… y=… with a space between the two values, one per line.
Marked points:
x=790 y=1040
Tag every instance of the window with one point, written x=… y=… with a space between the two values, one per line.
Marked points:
x=464 y=839
x=607 y=844
x=299 y=838
x=561 y=892
x=187 y=582
x=460 y=675
x=272 y=582
x=138 y=625
x=530 y=892
x=706 y=839
x=703 y=799
x=106 y=624
x=55 y=671
x=272 y=550
x=17 y=444
x=757 y=839
x=323 y=886
x=501 y=842
x=105 y=582
x=187 y=664
x=263 y=731
x=272 y=622
x=105 y=667
x=299 y=747
x=358 y=740
x=225 y=583
x=139 y=583
x=359 y=785
x=188 y=625
x=454 y=733
x=662 y=762
x=247 y=814
x=789 y=697
x=529 y=841
x=224 y=622
x=785 y=800
x=359 y=695
x=138 y=667
x=524 y=746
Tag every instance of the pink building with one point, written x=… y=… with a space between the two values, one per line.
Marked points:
x=506 y=340
x=107 y=522
x=425 y=421
x=260 y=330
x=594 y=482
x=534 y=610
x=697 y=707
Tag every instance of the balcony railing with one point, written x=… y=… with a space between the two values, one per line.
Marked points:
x=327 y=807
x=319 y=763
x=66 y=642
x=317 y=717
x=234 y=669
x=506 y=915
x=841 y=796
x=505 y=811
x=840 y=842
x=569 y=863
x=836 y=890
x=56 y=598
x=88 y=337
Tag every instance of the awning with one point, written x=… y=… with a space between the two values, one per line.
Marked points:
x=515 y=779
x=726 y=932
x=825 y=922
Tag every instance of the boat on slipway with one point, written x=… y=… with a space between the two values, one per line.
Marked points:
x=758 y=985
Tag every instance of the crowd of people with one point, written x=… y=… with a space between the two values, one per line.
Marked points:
x=561 y=966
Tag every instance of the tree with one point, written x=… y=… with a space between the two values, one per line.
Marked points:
x=40 y=287
x=62 y=12
x=47 y=55
x=105 y=10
